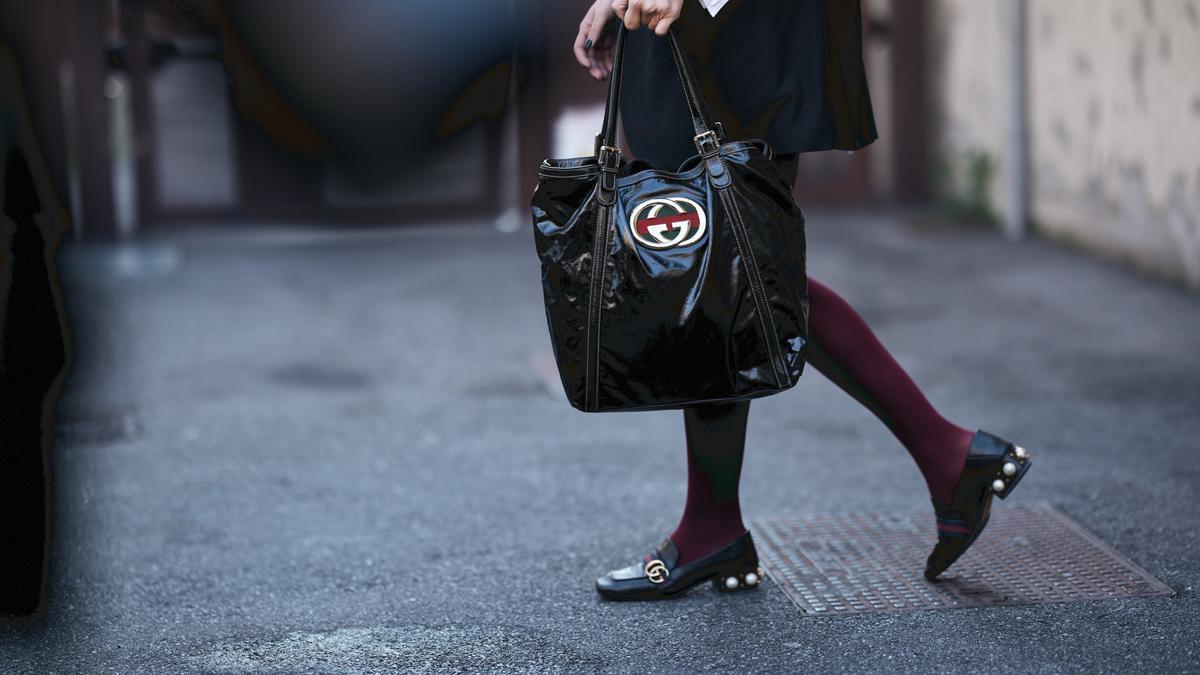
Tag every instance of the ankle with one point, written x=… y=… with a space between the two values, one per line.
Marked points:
x=694 y=540
x=943 y=468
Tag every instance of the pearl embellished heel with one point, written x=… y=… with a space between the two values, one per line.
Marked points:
x=735 y=580
x=1012 y=467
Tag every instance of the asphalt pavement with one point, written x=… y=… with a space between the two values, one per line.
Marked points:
x=296 y=449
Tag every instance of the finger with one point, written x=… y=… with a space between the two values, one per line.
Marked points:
x=633 y=16
x=596 y=27
x=595 y=63
x=664 y=25
x=595 y=67
x=602 y=58
x=580 y=51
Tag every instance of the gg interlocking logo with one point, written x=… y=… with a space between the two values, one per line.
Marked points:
x=657 y=572
x=667 y=222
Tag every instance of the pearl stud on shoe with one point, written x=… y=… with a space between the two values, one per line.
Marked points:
x=1009 y=468
x=731 y=583
x=751 y=579
x=1020 y=452
x=998 y=485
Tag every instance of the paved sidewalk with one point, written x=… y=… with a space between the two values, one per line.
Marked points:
x=294 y=452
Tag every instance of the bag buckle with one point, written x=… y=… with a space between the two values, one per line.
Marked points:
x=608 y=157
x=708 y=142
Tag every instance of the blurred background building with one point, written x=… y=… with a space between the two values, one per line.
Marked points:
x=1076 y=119
x=1079 y=117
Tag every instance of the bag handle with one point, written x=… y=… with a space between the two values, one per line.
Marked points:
x=708 y=135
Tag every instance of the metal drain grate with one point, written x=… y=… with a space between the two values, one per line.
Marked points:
x=868 y=562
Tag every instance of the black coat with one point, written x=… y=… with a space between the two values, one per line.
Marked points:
x=787 y=71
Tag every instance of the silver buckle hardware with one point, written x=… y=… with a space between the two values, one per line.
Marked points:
x=608 y=157
x=708 y=142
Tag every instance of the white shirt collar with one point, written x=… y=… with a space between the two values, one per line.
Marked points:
x=713 y=6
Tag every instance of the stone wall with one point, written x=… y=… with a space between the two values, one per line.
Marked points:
x=1113 y=121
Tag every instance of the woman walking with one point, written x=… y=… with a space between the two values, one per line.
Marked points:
x=790 y=73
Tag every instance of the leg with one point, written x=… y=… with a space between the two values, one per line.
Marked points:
x=712 y=516
x=710 y=543
x=843 y=348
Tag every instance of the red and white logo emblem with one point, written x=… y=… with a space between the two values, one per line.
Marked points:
x=667 y=222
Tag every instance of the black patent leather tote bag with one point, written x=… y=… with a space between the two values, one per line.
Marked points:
x=671 y=289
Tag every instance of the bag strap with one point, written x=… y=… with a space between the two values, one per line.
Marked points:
x=708 y=135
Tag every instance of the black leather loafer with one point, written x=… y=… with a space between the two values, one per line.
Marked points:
x=731 y=568
x=994 y=466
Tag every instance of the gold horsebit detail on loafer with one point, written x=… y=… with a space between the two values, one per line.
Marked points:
x=657 y=572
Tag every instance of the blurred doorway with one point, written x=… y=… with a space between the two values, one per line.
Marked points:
x=200 y=133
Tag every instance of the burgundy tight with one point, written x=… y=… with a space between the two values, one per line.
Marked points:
x=843 y=348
